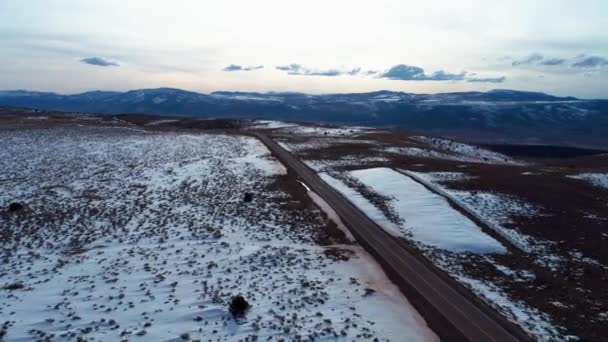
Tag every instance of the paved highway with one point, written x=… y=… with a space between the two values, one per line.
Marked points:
x=448 y=312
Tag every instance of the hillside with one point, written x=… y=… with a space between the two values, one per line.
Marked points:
x=497 y=115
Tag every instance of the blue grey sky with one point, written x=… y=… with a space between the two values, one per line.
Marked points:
x=316 y=46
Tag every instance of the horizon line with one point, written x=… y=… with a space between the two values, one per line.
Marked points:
x=291 y=92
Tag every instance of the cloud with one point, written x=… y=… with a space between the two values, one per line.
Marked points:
x=487 y=79
x=553 y=61
x=446 y=76
x=297 y=69
x=534 y=58
x=404 y=72
x=99 y=61
x=234 y=67
x=400 y=72
x=580 y=62
x=585 y=62
x=290 y=67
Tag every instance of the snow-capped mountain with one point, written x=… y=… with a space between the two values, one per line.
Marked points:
x=504 y=114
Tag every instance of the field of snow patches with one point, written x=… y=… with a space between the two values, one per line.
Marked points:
x=131 y=235
x=468 y=153
x=294 y=129
x=497 y=211
x=597 y=179
x=427 y=219
x=446 y=237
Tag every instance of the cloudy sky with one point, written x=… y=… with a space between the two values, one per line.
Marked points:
x=316 y=46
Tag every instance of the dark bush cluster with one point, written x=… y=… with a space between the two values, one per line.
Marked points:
x=13 y=286
x=238 y=306
x=15 y=206
x=248 y=197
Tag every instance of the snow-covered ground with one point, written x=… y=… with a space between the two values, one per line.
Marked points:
x=427 y=218
x=419 y=153
x=161 y=122
x=128 y=235
x=321 y=143
x=348 y=160
x=597 y=179
x=270 y=124
x=287 y=128
x=466 y=152
x=497 y=210
x=447 y=238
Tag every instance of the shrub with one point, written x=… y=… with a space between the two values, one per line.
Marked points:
x=15 y=206
x=13 y=286
x=238 y=306
x=248 y=197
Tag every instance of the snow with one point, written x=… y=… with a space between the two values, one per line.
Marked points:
x=323 y=131
x=414 y=205
x=597 y=179
x=321 y=143
x=270 y=124
x=362 y=203
x=158 y=100
x=494 y=210
x=304 y=185
x=248 y=97
x=387 y=98
x=161 y=122
x=285 y=146
x=125 y=233
x=259 y=156
x=447 y=176
x=468 y=153
x=330 y=212
x=531 y=320
x=417 y=152
x=516 y=275
x=387 y=302
x=429 y=218
x=287 y=128
x=324 y=165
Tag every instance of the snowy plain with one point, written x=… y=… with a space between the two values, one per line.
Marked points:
x=129 y=235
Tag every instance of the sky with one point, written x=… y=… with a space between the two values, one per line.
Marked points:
x=69 y=46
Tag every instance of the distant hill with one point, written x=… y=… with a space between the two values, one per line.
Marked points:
x=497 y=115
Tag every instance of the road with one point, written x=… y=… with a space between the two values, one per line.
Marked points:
x=452 y=315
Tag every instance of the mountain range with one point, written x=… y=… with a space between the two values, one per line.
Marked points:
x=497 y=115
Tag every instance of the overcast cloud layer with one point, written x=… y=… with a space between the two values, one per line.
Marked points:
x=339 y=46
